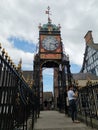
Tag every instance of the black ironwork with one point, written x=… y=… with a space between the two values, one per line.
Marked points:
x=16 y=98
x=64 y=88
x=59 y=91
x=88 y=103
x=36 y=77
x=64 y=81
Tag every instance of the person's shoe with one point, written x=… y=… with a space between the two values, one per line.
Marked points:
x=76 y=121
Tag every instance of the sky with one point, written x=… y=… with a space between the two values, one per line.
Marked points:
x=19 y=33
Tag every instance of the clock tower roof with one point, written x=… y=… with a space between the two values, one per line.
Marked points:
x=49 y=27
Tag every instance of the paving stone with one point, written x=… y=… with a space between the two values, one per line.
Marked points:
x=53 y=120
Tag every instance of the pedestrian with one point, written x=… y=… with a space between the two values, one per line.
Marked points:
x=72 y=97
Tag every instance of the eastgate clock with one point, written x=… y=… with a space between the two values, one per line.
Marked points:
x=50 y=43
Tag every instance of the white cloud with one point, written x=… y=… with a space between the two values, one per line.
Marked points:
x=16 y=54
x=20 y=18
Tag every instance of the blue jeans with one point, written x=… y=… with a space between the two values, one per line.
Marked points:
x=73 y=108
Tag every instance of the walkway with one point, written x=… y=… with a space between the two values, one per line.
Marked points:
x=53 y=120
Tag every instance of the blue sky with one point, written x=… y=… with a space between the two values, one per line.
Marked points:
x=48 y=80
x=23 y=45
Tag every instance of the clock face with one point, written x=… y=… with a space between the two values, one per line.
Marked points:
x=50 y=43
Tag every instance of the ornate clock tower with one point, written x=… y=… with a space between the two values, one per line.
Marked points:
x=50 y=45
x=50 y=55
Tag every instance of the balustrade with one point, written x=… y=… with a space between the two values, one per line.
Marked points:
x=16 y=97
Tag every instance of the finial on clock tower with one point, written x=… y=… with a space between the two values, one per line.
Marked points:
x=48 y=12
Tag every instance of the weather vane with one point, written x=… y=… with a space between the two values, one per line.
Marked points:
x=48 y=12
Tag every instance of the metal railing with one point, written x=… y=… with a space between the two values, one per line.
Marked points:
x=16 y=98
x=88 y=103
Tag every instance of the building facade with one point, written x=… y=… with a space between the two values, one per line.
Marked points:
x=90 y=62
x=82 y=79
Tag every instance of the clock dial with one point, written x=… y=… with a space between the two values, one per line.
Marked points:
x=50 y=43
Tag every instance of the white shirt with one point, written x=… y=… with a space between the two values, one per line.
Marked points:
x=70 y=94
